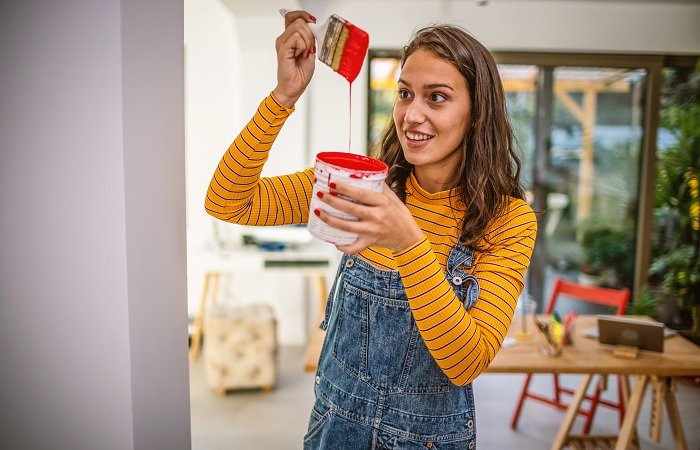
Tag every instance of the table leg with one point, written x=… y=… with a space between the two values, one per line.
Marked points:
x=315 y=341
x=657 y=402
x=321 y=290
x=674 y=415
x=213 y=278
x=214 y=288
x=625 y=384
x=629 y=425
x=571 y=413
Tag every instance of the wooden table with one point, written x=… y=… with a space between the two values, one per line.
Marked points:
x=587 y=357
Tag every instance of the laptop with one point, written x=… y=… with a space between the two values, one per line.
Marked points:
x=643 y=334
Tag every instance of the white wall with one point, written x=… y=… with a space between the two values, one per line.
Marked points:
x=212 y=109
x=93 y=344
x=230 y=67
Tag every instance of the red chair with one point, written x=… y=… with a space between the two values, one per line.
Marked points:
x=615 y=298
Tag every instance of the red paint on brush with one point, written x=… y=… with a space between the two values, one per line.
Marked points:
x=354 y=52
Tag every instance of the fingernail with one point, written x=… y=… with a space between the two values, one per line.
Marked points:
x=319 y=194
x=312 y=17
x=331 y=185
x=317 y=212
x=332 y=192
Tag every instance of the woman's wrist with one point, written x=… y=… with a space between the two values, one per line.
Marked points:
x=286 y=100
x=408 y=241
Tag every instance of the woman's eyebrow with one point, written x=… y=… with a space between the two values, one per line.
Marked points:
x=437 y=85
x=428 y=86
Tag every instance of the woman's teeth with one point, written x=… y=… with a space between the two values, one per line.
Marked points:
x=418 y=136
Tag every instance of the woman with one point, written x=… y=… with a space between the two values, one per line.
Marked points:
x=423 y=299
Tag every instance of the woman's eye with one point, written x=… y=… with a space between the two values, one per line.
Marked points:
x=403 y=94
x=437 y=98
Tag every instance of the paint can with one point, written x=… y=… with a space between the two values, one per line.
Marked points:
x=356 y=170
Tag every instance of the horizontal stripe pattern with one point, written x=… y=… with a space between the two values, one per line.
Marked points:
x=463 y=343
x=239 y=195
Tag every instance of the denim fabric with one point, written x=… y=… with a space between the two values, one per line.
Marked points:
x=377 y=386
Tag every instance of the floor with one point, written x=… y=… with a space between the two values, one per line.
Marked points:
x=277 y=420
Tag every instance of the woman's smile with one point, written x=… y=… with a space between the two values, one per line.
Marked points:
x=416 y=139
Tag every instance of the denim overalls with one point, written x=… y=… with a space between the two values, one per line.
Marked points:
x=377 y=386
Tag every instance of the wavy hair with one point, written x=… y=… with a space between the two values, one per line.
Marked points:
x=489 y=169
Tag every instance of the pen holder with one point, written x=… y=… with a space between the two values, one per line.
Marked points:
x=551 y=346
x=550 y=350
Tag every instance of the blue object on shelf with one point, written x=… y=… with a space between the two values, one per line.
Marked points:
x=271 y=246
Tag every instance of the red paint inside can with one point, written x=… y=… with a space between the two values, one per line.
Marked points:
x=356 y=163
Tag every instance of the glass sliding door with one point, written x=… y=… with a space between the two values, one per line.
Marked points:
x=580 y=132
x=520 y=85
x=593 y=188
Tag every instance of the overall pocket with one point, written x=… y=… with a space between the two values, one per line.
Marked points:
x=378 y=341
x=319 y=415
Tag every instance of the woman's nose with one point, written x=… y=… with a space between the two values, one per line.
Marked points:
x=415 y=112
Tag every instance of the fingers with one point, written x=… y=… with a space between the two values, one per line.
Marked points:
x=296 y=22
x=298 y=38
x=342 y=204
x=364 y=196
x=361 y=203
x=382 y=218
x=295 y=61
x=359 y=228
x=291 y=16
x=351 y=226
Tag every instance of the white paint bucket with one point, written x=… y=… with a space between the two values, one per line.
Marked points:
x=357 y=170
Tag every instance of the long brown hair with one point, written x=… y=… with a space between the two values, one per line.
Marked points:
x=489 y=169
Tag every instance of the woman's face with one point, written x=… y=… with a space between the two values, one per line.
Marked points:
x=431 y=114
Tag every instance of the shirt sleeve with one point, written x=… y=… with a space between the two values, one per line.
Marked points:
x=464 y=342
x=238 y=194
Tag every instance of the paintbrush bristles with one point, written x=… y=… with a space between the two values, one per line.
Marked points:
x=330 y=40
x=340 y=49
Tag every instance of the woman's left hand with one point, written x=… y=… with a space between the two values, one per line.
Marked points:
x=383 y=219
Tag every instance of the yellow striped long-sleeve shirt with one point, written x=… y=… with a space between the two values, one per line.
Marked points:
x=463 y=343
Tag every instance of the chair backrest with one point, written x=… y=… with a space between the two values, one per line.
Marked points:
x=616 y=298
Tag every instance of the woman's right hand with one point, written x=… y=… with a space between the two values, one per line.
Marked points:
x=296 y=49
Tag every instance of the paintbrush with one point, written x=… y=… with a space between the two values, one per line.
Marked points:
x=342 y=46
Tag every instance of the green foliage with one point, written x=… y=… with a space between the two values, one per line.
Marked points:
x=675 y=163
x=609 y=251
x=644 y=304
x=676 y=255
x=680 y=274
